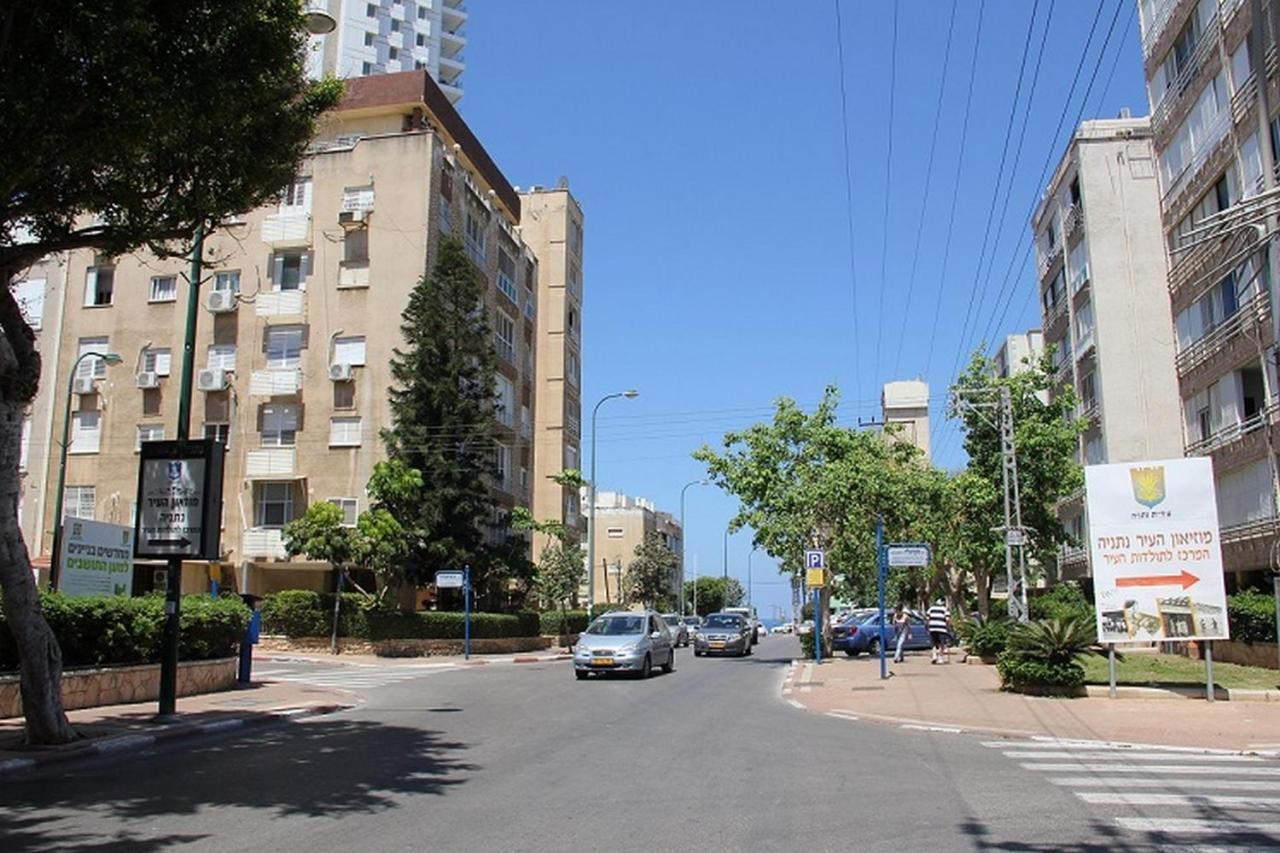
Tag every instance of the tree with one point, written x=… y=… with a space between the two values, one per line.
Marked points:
x=561 y=567
x=320 y=535
x=153 y=117
x=443 y=406
x=713 y=594
x=1045 y=437
x=649 y=576
x=385 y=533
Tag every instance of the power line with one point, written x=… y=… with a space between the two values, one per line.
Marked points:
x=888 y=180
x=848 y=191
x=928 y=180
x=955 y=190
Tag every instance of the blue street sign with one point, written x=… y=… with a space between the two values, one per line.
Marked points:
x=815 y=560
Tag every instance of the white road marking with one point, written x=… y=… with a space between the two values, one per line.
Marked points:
x=1120 y=798
x=1173 y=826
x=1056 y=743
x=840 y=715
x=947 y=729
x=1133 y=754
x=794 y=704
x=1122 y=782
x=1190 y=769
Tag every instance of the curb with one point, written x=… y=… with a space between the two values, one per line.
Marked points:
x=10 y=767
x=1220 y=694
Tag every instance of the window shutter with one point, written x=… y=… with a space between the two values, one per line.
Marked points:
x=90 y=286
x=277 y=268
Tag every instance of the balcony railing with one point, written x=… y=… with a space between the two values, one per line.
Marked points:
x=1083 y=344
x=286 y=230
x=275 y=383
x=280 y=303
x=1214 y=135
x=1055 y=312
x=263 y=543
x=270 y=462
x=1069 y=555
x=1181 y=85
x=1074 y=220
x=1156 y=26
x=1255 y=529
x=1253 y=311
x=1233 y=431
x=1079 y=279
x=1049 y=259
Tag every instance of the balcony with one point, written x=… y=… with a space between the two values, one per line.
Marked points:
x=270 y=463
x=452 y=66
x=453 y=16
x=353 y=274
x=451 y=42
x=280 y=303
x=275 y=383
x=1074 y=223
x=263 y=543
x=1255 y=311
x=1180 y=86
x=287 y=230
x=1087 y=410
x=1079 y=279
x=1072 y=555
x=1049 y=261
x=1255 y=529
x=1214 y=135
x=1055 y=313
x=1235 y=432
x=452 y=91
x=1155 y=28
x=1084 y=345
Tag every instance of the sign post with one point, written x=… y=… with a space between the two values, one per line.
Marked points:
x=882 y=573
x=815 y=566
x=454 y=579
x=1156 y=554
x=179 y=516
x=897 y=555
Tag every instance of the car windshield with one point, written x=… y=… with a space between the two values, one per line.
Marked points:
x=692 y=620
x=671 y=619
x=718 y=621
x=612 y=626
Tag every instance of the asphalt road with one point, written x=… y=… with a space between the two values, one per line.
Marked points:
x=708 y=758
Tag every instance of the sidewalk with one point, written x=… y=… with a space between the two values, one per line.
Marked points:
x=262 y=657
x=967 y=698
x=112 y=728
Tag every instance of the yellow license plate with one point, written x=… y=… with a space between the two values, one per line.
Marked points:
x=717 y=645
x=602 y=661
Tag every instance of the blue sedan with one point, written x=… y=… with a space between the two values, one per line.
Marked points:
x=863 y=635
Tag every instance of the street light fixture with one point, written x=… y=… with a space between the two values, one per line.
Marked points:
x=682 y=538
x=107 y=358
x=629 y=394
x=317 y=21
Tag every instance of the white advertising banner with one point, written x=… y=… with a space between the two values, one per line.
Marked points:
x=97 y=558
x=1157 y=561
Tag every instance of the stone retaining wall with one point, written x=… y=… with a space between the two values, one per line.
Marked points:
x=1256 y=654
x=120 y=685
x=406 y=648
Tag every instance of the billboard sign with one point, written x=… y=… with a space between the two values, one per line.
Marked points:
x=1157 y=559
x=97 y=558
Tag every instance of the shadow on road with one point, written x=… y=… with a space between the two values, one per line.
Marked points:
x=327 y=768
x=1107 y=836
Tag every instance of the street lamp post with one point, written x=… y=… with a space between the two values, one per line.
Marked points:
x=726 y=559
x=629 y=394
x=750 y=554
x=682 y=537
x=109 y=358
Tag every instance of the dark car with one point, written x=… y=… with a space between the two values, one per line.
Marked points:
x=862 y=634
x=723 y=634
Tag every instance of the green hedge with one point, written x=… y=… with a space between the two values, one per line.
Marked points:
x=448 y=625
x=986 y=638
x=303 y=613
x=1024 y=675
x=106 y=630
x=1252 y=616
x=573 y=622
x=1063 y=602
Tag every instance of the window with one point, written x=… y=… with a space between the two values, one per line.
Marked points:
x=419 y=65
x=571 y=320
x=149 y=432
x=289 y=270
x=575 y=237
x=275 y=504
x=344 y=395
x=92 y=366
x=344 y=432
x=157 y=360
x=1075 y=190
x=30 y=296
x=86 y=432
x=99 y=286
x=571 y=456
x=421 y=40
x=371 y=10
x=296 y=198
x=227 y=281
x=475 y=234
x=446 y=217
x=164 y=289
x=571 y=368
x=507 y=274
x=614 y=532
x=502 y=461
x=392 y=53
x=284 y=347
x=422 y=12
x=1088 y=391
x=506 y=398
x=349 y=351
x=504 y=336
x=368 y=39
x=355 y=246
x=350 y=510
x=151 y=400
x=446 y=184
x=395 y=25
x=219 y=432
x=279 y=425
x=366 y=69
x=575 y=280
x=528 y=303
x=78 y=501
x=222 y=357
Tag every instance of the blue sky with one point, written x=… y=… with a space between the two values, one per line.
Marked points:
x=704 y=141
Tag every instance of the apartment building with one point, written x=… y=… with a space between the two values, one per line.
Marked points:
x=622 y=523
x=1103 y=300
x=551 y=226
x=1215 y=140
x=386 y=36
x=906 y=403
x=1017 y=352
x=299 y=317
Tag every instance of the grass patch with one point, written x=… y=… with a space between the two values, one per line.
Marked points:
x=1155 y=670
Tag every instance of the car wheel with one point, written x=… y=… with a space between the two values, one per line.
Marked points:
x=580 y=674
x=697 y=654
x=646 y=669
x=873 y=648
x=670 y=665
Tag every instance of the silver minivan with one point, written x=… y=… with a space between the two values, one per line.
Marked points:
x=625 y=641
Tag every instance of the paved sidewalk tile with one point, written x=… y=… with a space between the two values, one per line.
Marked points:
x=959 y=697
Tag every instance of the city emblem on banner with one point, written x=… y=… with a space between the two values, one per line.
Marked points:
x=1148 y=485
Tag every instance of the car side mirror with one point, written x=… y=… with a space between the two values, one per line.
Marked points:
x=655 y=635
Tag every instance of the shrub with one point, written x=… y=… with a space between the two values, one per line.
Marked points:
x=806 y=647
x=1063 y=602
x=449 y=625
x=294 y=613
x=1252 y=616
x=113 y=630
x=1021 y=674
x=986 y=637
x=570 y=622
x=1042 y=655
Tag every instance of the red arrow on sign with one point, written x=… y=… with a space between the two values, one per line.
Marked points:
x=1185 y=579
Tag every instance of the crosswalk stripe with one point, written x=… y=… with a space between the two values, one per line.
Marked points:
x=1171 y=826
x=1140 y=756
x=1122 y=782
x=1120 y=798
x=1112 y=746
x=1067 y=767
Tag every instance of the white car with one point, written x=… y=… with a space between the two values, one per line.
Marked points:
x=784 y=628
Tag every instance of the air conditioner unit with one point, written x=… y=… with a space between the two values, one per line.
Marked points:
x=214 y=379
x=83 y=385
x=353 y=217
x=148 y=379
x=339 y=372
x=221 y=301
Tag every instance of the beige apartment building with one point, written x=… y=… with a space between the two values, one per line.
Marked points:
x=551 y=226
x=622 y=522
x=299 y=315
x=1104 y=303
x=1017 y=352
x=1215 y=139
x=906 y=403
